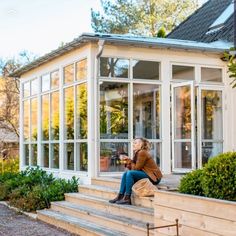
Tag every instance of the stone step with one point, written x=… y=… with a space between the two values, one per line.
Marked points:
x=121 y=223
x=134 y=212
x=75 y=225
x=109 y=193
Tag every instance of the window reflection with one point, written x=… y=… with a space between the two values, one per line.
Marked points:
x=34 y=87
x=55 y=79
x=26 y=153
x=113 y=110
x=45 y=117
x=34 y=119
x=81 y=70
x=69 y=156
x=81 y=156
x=211 y=74
x=26 y=89
x=55 y=155
x=68 y=73
x=209 y=150
x=183 y=72
x=45 y=82
x=45 y=155
x=184 y=153
x=156 y=152
x=26 y=120
x=55 y=116
x=34 y=154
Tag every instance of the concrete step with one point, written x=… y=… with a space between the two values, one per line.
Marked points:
x=75 y=225
x=134 y=212
x=109 y=193
x=106 y=182
x=121 y=223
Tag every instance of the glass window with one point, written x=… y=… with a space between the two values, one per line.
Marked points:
x=26 y=120
x=81 y=70
x=26 y=153
x=184 y=152
x=211 y=74
x=156 y=152
x=145 y=70
x=55 y=116
x=69 y=113
x=81 y=111
x=81 y=156
x=55 y=155
x=34 y=87
x=209 y=150
x=55 y=79
x=34 y=119
x=45 y=155
x=45 y=82
x=26 y=89
x=45 y=117
x=113 y=110
x=114 y=67
x=69 y=156
x=34 y=152
x=146 y=111
x=183 y=72
x=68 y=73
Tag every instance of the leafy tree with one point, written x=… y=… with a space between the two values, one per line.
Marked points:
x=231 y=59
x=141 y=17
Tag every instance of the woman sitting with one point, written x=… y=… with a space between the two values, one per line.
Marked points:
x=141 y=166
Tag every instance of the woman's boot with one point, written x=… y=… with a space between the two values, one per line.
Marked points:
x=125 y=201
x=119 y=197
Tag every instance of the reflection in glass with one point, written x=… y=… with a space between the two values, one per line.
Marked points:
x=34 y=87
x=81 y=70
x=34 y=119
x=26 y=153
x=114 y=67
x=26 y=120
x=212 y=123
x=69 y=113
x=145 y=70
x=55 y=155
x=45 y=82
x=156 y=152
x=109 y=156
x=81 y=157
x=183 y=155
x=34 y=154
x=114 y=110
x=209 y=150
x=146 y=113
x=81 y=111
x=183 y=72
x=68 y=72
x=182 y=114
x=69 y=156
x=45 y=155
x=55 y=116
x=45 y=117
x=211 y=74
x=26 y=89
x=55 y=79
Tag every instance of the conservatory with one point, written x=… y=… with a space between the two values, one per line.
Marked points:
x=84 y=103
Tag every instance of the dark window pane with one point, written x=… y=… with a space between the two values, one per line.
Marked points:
x=34 y=154
x=81 y=157
x=69 y=156
x=26 y=153
x=183 y=72
x=45 y=155
x=55 y=155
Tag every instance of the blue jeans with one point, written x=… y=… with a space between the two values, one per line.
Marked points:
x=129 y=178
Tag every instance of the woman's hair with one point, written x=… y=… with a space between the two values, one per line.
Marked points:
x=145 y=144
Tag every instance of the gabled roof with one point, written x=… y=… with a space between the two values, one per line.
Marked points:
x=133 y=41
x=197 y=26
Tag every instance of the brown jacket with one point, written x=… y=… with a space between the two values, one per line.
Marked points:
x=145 y=162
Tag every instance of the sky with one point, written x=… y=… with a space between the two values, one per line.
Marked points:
x=40 y=26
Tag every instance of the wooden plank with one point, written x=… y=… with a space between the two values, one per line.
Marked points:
x=197 y=221
x=204 y=206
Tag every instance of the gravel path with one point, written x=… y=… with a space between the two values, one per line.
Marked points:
x=13 y=223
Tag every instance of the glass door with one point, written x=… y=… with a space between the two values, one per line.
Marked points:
x=183 y=127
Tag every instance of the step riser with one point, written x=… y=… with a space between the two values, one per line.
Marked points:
x=145 y=217
x=110 y=184
x=117 y=225
x=68 y=227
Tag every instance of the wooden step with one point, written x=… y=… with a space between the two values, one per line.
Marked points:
x=111 y=221
x=134 y=212
x=75 y=225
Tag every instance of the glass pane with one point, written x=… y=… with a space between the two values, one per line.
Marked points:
x=209 y=150
x=183 y=155
x=211 y=74
x=212 y=119
x=34 y=87
x=182 y=113
x=81 y=111
x=114 y=110
x=45 y=117
x=156 y=152
x=55 y=116
x=109 y=156
x=68 y=74
x=145 y=70
x=81 y=156
x=34 y=119
x=55 y=79
x=55 y=155
x=69 y=113
x=45 y=82
x=26 y=153
x=183 y=72
x=45 y=155
x=26 y=120
x=114 y=67
x=69 y=156
x=26 y=89
x=81 y=70
x=146 y=113
x=34 y=154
